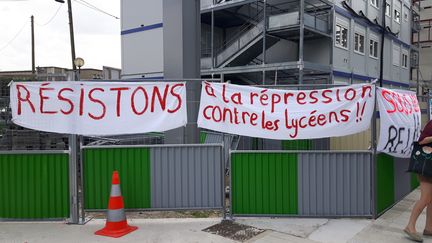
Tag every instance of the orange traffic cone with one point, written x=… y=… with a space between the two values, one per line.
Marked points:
x=116 y=224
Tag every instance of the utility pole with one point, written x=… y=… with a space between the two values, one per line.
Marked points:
x=33 y=46
x=71 y=32
x=73 y=138
x=72 y=40
x=384 y=4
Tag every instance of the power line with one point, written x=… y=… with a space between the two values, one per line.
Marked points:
x=13 y=38
x=51 y=19
x=89 y=5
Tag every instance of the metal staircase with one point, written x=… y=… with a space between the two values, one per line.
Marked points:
x=244 y=46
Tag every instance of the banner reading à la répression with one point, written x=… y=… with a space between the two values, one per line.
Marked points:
x=286 y=114
x=99 y=108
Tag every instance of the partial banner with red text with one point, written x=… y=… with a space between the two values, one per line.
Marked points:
x=99 y=108
x=286 y=114
x=400 y=121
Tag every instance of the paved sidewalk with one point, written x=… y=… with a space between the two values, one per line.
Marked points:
x=388 y=228
x=150 y=230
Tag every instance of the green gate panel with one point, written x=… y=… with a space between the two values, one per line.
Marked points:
x=385 y=182
x=203 y=137
x=34 y=186
x=296 y=144
x=133 y=165
x=264 y=183
x=414 y=181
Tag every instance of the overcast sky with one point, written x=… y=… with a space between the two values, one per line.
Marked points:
x=97 y=36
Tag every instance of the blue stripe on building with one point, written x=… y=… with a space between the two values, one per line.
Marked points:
x=142 y=28
x=366 y=78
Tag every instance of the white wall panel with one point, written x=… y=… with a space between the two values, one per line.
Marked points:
x=142 y=52
x=135 y=13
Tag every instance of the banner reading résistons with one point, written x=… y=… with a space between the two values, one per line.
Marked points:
x=99 y=108
x=284 y=115
x=400 y=121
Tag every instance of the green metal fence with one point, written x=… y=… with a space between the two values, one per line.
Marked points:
x=264 y=183
x=133 y=165
x=391 y=187
x=34 y=185
x=385 y=182
x=316 y=183
x=296 y=144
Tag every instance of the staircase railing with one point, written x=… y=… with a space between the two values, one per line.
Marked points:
x=241 y=31
x=237 y=42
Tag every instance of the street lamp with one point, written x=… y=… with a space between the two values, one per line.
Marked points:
x=79 y=62
x=71 y=32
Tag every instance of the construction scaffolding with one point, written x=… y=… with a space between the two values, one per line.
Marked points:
x=239 y=36
x=422 y=44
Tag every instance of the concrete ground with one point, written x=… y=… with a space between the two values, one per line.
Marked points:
x=388 y=228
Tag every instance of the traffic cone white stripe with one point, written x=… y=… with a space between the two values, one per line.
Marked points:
x=115 y=191
x=116 y=215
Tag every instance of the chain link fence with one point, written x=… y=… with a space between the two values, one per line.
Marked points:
x=14 y=137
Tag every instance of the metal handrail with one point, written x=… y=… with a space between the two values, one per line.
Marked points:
x=243 y=29
x=247 y=26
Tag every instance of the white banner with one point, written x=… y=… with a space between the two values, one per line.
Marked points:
x=400 y=117
x=99 y=108
x=283 y=114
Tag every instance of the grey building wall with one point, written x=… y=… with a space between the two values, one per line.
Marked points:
x=206 y=37
x=139 y=40
x=359 y=5
x=388 y=61
x=372 y=63
x=405 y=33
x=359 y=60
x=425 y=36
x=346 y=61
x=181 y=52
x=352 y=62
x=282 y=51
x=372 y=12
x=317 y=51
x=341 y=60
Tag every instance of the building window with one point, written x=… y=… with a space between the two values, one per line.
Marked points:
x=341 y=39
x=396 y=55
x=396 y=15
x=374 y=3
x=373 y=48
x=359 y=43
x=404 y=58
x=388 y=9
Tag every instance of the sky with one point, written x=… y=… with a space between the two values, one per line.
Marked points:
x=97 y=35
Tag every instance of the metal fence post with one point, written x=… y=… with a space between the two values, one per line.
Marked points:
x=74 y=163
x=73 y=180
x=230 y=186
x=223 y=177
x=81 y=163
x=374 y=158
